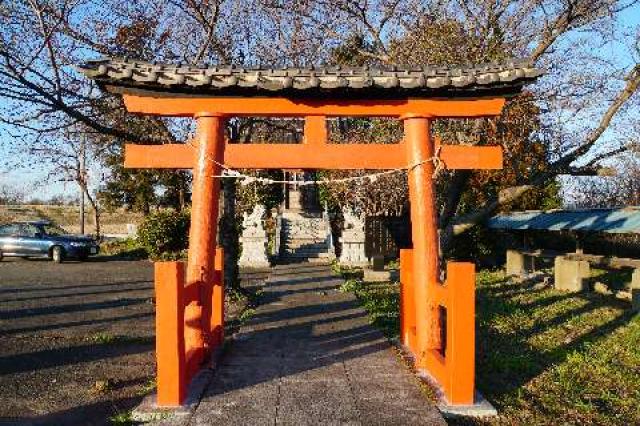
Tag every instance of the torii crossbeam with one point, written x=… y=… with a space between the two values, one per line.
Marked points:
x=437 y=319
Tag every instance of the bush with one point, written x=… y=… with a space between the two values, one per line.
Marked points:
x=128 y=248
x=165 y=234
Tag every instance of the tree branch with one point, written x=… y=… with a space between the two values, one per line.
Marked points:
x=511 y=194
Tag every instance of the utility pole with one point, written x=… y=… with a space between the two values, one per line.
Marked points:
x=83 y=182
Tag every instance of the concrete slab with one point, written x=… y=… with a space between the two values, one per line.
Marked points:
x=304 y=372
x=571 y=275
x=480 y=409
x=317 y=403
x=255 y=405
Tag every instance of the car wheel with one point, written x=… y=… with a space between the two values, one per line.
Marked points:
x=0 y=256
x=57 y=254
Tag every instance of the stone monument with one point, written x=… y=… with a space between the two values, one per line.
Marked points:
x=254 y=240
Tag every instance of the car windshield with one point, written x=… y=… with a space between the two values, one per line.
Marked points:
x=53 y=230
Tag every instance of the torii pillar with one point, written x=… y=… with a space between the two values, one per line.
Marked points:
x=204 y=321
x=424 y=229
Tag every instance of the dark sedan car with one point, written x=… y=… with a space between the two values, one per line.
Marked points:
x=45 y=240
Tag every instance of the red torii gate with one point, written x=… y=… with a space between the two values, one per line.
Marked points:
x=189 y=313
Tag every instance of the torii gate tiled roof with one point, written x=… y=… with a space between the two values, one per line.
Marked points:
x=125 y=75
x=191 y=309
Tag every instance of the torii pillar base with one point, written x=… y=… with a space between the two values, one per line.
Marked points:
x=149 y=411
x=480 y=409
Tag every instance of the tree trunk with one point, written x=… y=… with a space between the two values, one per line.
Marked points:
x=229 y=236
x=96 y=211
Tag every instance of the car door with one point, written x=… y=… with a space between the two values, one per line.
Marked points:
x=30 y=241
x=10 y=239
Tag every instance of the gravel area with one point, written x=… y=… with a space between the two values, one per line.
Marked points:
x=76 y=340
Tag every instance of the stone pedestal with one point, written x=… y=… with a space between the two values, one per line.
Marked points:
x=519 y=264
x=571 y=275
x=353 y=239
x=635 y=290
x=254 y=240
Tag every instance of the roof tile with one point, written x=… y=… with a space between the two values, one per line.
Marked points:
x=403 y=81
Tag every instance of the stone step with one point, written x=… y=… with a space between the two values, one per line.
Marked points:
x=309 y=242
x=306 y=256
x=301 y=250
x=305 y=253
x=306 y=233
x=304 y=228
x=314 y=260
x=306 y=247
x=318 y=222
x=305 y=241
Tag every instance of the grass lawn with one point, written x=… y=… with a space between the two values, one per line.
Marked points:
x=543 y=356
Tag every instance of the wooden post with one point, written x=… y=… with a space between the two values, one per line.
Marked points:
x=424 y=232
x=461 y=333
x=407 y=301
x=170 y=349
x=209 y=142
x=217 y=302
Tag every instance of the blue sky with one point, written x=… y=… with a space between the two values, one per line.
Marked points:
x=33 y=181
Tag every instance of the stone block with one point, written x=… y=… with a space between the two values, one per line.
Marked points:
x=602 y=288
x=519 y=264
x=377 y=262
x=479 y=410
x=635 y=278
x=373 y=276
x=623 y=295
x=571 y=275
x=635 y=290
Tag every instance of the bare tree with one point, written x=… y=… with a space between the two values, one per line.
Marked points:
x=570 y=38
x=620 y=190
x=586 y=100
x=10 y=195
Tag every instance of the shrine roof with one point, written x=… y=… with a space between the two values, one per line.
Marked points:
x=624 y=220
x=491 y=79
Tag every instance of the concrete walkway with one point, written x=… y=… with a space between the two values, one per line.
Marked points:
x=309 y=357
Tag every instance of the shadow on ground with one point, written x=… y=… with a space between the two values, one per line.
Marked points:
x=523 y=331
x=310 y=356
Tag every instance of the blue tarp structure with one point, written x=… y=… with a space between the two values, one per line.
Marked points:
x=618 y=221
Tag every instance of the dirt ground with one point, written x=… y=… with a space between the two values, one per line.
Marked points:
x=76 y=340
